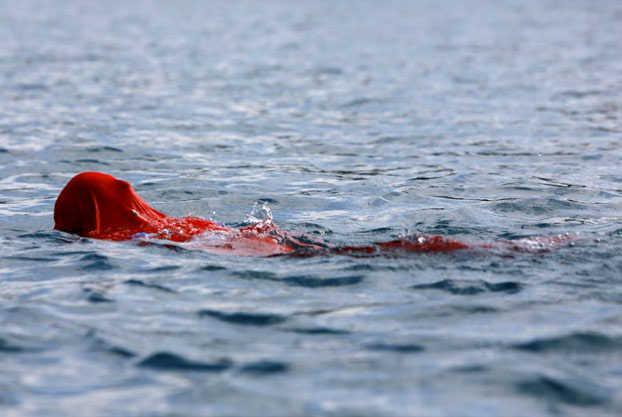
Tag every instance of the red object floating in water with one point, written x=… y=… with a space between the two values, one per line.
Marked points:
x=100 y=206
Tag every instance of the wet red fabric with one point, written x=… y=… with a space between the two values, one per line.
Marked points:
x=100 y=206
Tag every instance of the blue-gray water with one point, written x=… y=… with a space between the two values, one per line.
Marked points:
x=355 y=122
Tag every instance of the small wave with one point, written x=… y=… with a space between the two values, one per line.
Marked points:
x=95 y=296
x=548 y=388
x=96 y=262
x=119 y=351
x=397 y=348
x=470 y=369
x=103 y=149
x=92 y=161
x=307 y=281
x=265 y=368
x=263 y=275
x=470 y=287
x=212 y=268
x=520 y=207
x=376 y=231
x=31 y=258
x=315 y=229
x=313 y=282
x=540 y=206
x=360 y=267
x=170 y=361
x=139 y=283
x=52 y=235
x=267 y=200
x=242 y=318
x=164 y=268
x=101 y=345
x=320 y=331
x=577 y=94
x=575 y=342
x=327 y=71
x=31 y=87
x=362 y=101
x=9 y=347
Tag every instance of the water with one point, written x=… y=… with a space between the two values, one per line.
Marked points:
x=354 y=123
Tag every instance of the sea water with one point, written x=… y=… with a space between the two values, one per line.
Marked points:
x=353 y=122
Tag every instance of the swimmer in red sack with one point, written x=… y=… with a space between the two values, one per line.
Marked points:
x=100 y=206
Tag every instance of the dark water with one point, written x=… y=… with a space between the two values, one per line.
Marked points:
x=355 y=122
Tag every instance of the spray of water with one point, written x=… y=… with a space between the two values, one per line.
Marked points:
x=259 y=214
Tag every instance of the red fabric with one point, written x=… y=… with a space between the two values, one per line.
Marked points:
x=100 y=206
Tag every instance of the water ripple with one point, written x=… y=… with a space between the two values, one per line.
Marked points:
x=95 y=296
x=471 y=287
x=96 y=262
x=552 y=389
x=243 y=318
x=397 y=348
x=307 y=281
x=172 y=362
x=139 y=283
x=313 y=282
x=265 y=368
x=10 y=347
x=319 y=331
x=574 y=342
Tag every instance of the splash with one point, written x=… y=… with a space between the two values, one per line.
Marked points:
x=259 y=214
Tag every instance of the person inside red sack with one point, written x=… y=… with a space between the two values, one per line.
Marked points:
x=100 y=206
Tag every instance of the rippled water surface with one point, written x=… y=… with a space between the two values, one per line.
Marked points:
x=355 y=122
